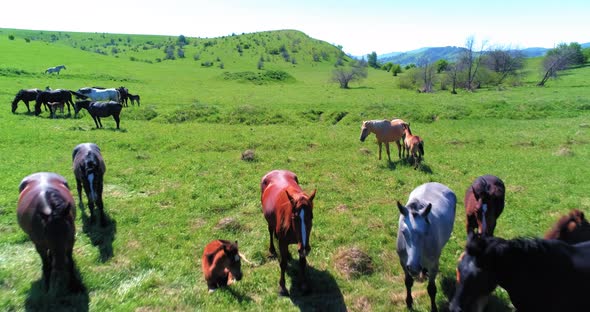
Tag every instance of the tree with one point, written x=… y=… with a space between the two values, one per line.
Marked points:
x=559 y=58
x=471 y=61
x=182 y=40
x=372 y=60
x=344 y=75
x=504 y=62
x=441 y=66
x=396 y=69
x=427 y=70
x=387 y=66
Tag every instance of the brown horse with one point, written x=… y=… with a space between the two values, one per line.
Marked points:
x=289 y=213
x=221 y=263
x=46 y=212
x=414 y=145
x=89 y=169
x=386 y=131
x=484 y=202
x=572 y=228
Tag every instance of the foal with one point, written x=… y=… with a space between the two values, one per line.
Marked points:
x=54 y=106
x=414 y=145
x=89 y=169
x=221 y=264
x=133 y=98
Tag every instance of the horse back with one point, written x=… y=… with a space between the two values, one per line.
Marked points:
x=275 y=203
x=84 y=153
x=443 y=200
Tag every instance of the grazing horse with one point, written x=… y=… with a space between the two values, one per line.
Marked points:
x=386 y=131
x=46 y=212
x=55 y=69
x=539 y=275
x=221 y=264
x=100 y=109
x=25 y=95
x=289 y=213
x=96 y=94
x=572 y=228
x=134 y=98
x=425 y=226
x=89 y=169
x=414 y=145
x=484 y=202
x=59 y=95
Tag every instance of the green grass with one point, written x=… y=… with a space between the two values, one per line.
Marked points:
x=174 y=171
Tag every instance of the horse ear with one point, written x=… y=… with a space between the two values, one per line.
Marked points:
x=290 y=198
x=426 y=210
x=403 y=210
x=312 y=195
x=475 y=244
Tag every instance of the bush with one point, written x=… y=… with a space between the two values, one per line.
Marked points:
x=10 y=37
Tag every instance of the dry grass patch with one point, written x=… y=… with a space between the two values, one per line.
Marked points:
x=353 y=262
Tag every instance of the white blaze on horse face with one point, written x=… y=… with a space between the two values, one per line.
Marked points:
x=416 y=228
x=303 y=229
x=91 y=182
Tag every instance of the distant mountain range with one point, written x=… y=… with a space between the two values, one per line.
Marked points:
x=450 y=53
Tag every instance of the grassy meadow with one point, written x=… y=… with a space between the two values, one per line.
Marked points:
x=175 y=179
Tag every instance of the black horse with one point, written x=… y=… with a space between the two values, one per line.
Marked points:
x=25 y=95
x=539 y=275
x=100 y=109
x=89 y=169
x=134 y=98
x=58 y=95
x=124 y=95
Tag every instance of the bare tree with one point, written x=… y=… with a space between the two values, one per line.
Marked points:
x=471 y=61
x=504 y=62
x=427 y=71
x=558 y=59
x=356 y=71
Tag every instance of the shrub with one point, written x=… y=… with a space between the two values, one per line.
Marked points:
x=10 y=37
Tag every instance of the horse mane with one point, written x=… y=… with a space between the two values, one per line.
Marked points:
x=212 y=254
x=489 y=248
x=561 y=229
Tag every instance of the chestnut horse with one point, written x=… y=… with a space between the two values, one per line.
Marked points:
x=386 y=131
x=572 y=228
x=89 y=169
x=46 y=212
x=414 y=145
x=221 y=263
x=289 y=213
x=484 y=202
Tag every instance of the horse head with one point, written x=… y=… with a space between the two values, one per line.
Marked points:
x=413 y=231
x=16 y=99
x=481 y=194
x=474 y=279
x=301 y=219
x=232 y=261
x=81 y=104
x=365 y=130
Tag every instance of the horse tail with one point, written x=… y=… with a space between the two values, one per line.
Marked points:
x=78 y=95
x=421 y=147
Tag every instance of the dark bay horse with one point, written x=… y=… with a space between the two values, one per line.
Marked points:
x=221 y=263
x=572 y=228
x=25 y=95
x=46 y=212
x=59 y=95
x=484 y=202
x=386 y=131
x=124 y=95
x=289 y=213
x=100 y=109
x=89 y=169
x=539 y=275
x=134 y=98
x=425 y=226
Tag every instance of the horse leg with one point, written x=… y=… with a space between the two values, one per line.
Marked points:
x=79 y=187
x=75 y=284
x=27 y=104
x=399 y=149
x=387 y=149
x=271 y=248
x=117 y=119
x=302 y=276
x=432 y=290
x=409 y=283
x=379 y=150
x=99 y=203
x=99 y=122
x=284 y=250
x=95 y=121
x=87 y=189
x=46 y=265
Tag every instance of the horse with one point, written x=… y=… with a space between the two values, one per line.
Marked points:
x=124 y=95
x=425 y=226
x=572 y=228
x=89 y=168
x=386 y=131
x=59 y=95
x=414 y=145
x=55 y=69
x=484 y=202
x=25 y=95
x=539 y=275
x=96 y=94
x=134 y=98
x=100 y=109
x=288 y=212
x=54 y=106
x=46 y=212
x=221 y=264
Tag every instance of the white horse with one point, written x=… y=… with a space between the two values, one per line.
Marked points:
x=425 y=226
x=101 y=94
x=55 y=69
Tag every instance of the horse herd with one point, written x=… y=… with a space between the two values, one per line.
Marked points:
x=549 y=274
x=100 y=102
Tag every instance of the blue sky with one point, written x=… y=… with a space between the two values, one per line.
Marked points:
x=360 y=27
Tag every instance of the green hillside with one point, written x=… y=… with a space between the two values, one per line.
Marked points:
x=175 y=179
